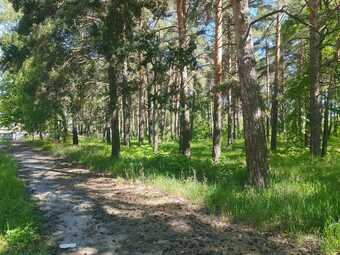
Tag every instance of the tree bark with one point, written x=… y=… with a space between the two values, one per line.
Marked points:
x=114 y=110
x=268 y=88
x=327 y=128
x=300 y=69
x=325 y=135
x=141 y=120
x=254 y=128
x=276 y=86
x=150 y=113
x=75 y=139
x=336 y=124
x=175 y=108
x=108 y=134
x=227 y=69
x=155 y=120
x=235 y=109
x=217 y=112
x=230 y=135
x=127 y=102
x=64 y=124
x=307 y=139
x=314 y=76
x=185 y=137
x=193 y=106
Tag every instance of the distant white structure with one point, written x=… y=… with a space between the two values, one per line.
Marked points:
x=11 y=134
x=6 y=134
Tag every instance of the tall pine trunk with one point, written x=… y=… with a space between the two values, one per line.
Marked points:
x=230 y=135
x=114 y=109
x=141 y=104
x=185 y=136
x=217 y=111
x=156 y=119
x=227 y=69
x=325 y=135
x=268 y=90
x=75 y=139
x=254 y=128
x=127 y=102
x=314 y=76
x=235 y=110
x=150 y=113
x=276 y=86
x=327 y=127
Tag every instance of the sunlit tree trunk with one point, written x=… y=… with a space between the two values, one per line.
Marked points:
x=156 y=120
x=253 y=119
x=235 y=110
x=217 y=111
x=185 y=137
x=325 y=135
x=193 y=106
x=141 y=105
x=175 y=108
x=150 y=112
x=227 y=67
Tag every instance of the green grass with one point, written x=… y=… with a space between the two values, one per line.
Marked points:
x=19 y=223
x=303 y=196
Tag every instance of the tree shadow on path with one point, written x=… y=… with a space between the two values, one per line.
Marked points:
x=109 y=216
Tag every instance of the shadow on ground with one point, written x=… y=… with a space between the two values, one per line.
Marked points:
x=109 y=216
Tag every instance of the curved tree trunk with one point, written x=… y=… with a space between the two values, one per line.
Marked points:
x=254 y=128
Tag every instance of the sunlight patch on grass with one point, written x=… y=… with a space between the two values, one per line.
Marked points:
x=331 y=238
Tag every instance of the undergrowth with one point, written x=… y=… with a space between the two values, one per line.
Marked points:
x=19 y=223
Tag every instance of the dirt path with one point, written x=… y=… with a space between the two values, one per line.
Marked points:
x=106 y=216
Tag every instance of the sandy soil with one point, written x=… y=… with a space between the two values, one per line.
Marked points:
x=107 y=216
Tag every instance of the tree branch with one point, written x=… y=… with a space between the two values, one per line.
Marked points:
x=282 y=10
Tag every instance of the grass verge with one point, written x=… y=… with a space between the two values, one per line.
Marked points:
x=19 y=223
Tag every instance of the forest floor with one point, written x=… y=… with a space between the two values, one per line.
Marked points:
x=105 y=215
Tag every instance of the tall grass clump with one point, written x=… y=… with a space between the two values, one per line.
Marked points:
x=19 y=224
x=331 y=238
